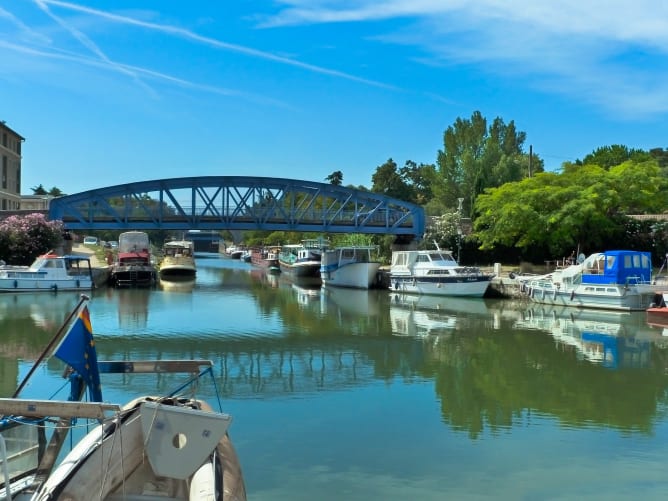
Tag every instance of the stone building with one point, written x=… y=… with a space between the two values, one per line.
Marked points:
x=10 y=165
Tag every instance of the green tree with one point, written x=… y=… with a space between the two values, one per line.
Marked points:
x=476 y=157
x=609 y=156
x=39 y=190
x=387 y=180
x=335 y=178
x=583 y=207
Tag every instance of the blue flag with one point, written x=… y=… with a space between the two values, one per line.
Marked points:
x=77 y=349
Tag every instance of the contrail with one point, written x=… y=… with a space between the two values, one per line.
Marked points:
x=189 y=35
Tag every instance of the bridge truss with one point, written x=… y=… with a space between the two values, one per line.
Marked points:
x=238 y=203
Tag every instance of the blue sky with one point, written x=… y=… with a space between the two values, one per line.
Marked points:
x=108 y=92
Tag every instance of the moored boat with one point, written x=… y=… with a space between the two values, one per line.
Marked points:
x=266 y=257
x=155 y=447
x=303 y=259
x=349 y=266
x=178 y=260
x=133 y=266
x=435 y=272
x=49 y=272
x=614 y=280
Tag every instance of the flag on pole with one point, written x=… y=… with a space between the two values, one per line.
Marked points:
x=77 y=349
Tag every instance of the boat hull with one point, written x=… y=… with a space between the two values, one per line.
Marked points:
x=354 y=275
x=41 y=285
x=139 y=276
x=608 y=297
x=121 y=458
x=302 y=269
x=474 y=286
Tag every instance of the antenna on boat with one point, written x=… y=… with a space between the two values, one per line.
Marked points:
x=437 y=247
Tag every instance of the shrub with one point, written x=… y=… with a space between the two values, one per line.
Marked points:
x=23 y=238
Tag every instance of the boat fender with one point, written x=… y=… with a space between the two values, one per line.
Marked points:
x=531 y=291
x=396 y=285
x=16 y=284
x=511 y=275
x=55 y=287
x=554 y=295
x=572 y=295
x=542 y=294
x=78 y=283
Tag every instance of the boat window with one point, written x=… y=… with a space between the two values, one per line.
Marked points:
x=422 y=258
x=628 y=262
x=636 y=260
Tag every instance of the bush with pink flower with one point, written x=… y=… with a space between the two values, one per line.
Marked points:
x=23 y=238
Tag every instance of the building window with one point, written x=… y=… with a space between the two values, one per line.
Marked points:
x=4 y=139
x=4 y=172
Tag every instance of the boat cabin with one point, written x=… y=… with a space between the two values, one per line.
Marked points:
x=618 y=267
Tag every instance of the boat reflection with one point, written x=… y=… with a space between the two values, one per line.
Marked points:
x=351 y=302
x=177 y=284
x=46 y=310
x=459 y=305
x=609 y=338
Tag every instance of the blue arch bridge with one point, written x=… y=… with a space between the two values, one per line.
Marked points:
x=239 y=203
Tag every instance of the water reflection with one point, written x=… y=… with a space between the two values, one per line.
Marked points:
x=611 y=339
x=177 y=284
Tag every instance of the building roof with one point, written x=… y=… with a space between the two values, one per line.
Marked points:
x=4 y=125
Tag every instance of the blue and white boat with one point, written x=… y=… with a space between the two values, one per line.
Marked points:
x=49 y=272
x=435 y=272
x=613 y=280
x=350 y=266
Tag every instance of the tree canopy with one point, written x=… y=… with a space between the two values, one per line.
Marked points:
x=476 y=157
x=579 y=208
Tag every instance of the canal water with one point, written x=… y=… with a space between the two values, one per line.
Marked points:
x=342 y=394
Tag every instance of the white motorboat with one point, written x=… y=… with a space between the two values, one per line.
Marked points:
x=349 y=266
x=156 y=447
x=613 y=280
x=49 y=272
x=435 y=272
x=178 y=260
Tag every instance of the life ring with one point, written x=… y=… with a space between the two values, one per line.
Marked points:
x=511 y=275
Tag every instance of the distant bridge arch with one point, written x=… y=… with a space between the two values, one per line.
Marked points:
x=238 y=203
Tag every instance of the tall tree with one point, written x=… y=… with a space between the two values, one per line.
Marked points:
x=39 y=190
x=335 y=178
x=388 y=181
x=475 y=157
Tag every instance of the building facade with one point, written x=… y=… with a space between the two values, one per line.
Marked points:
x=10 y=168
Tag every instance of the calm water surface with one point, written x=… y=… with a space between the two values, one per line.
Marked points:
x=357 y=395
